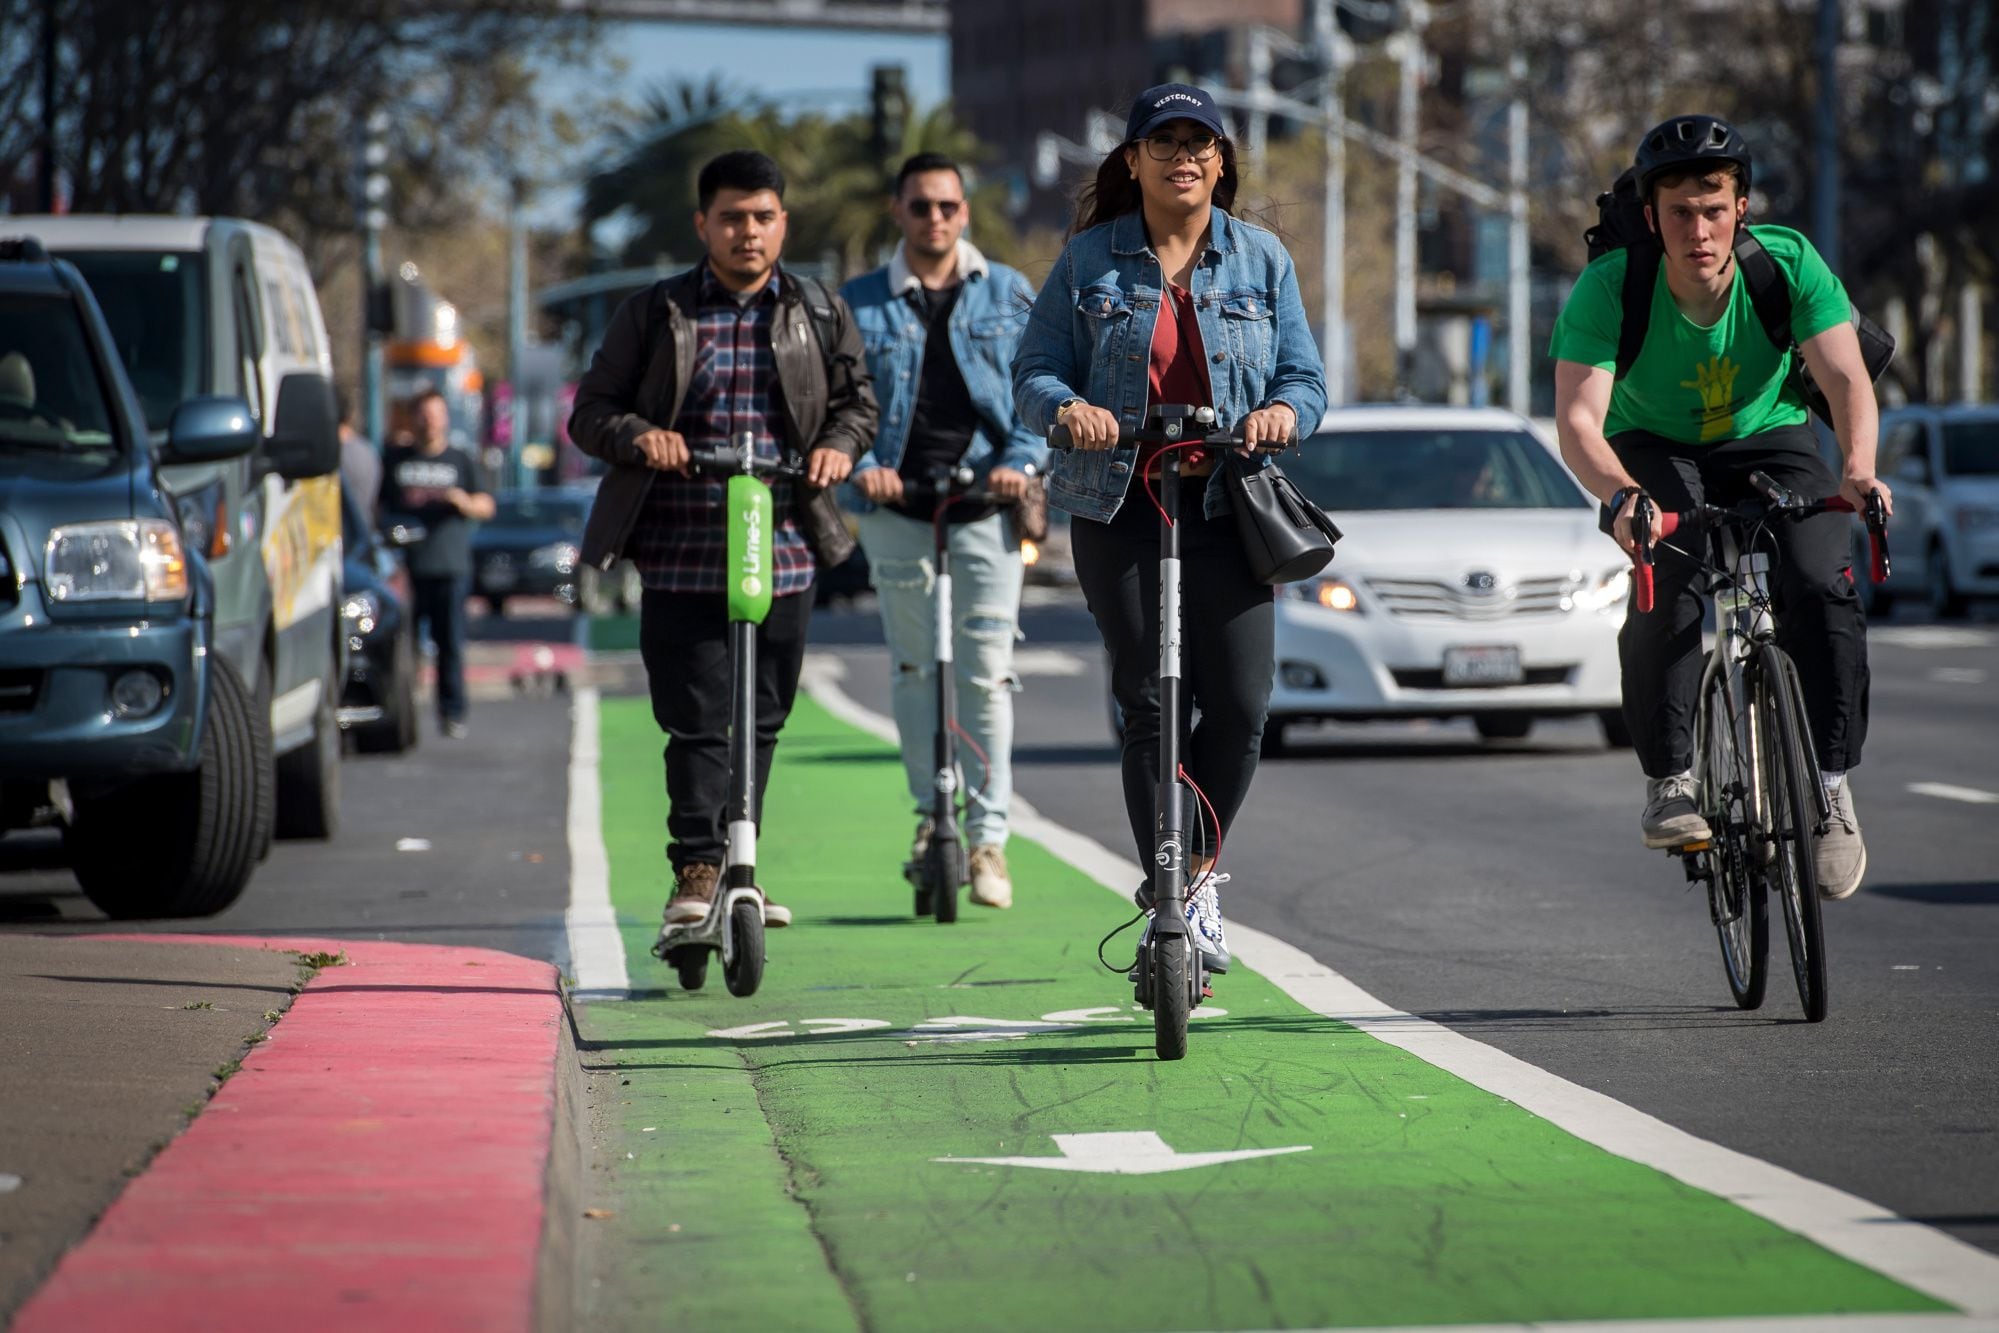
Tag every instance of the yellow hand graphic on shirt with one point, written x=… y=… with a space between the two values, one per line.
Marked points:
x=1714 y=381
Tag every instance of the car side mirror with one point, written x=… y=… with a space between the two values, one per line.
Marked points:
x=306 y=442
x=210 y=430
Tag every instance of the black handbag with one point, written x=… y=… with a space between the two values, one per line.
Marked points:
x=1285 y=535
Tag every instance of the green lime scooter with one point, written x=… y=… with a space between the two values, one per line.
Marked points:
x=734 y=927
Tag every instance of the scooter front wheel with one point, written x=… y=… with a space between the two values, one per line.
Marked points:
x=1172 y=995
x=947 y=873
x=743 y=968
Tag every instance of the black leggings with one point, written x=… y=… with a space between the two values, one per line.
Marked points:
x=1228 y=653
x=1819 y=618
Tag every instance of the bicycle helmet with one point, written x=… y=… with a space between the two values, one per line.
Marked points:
x=1685 y=141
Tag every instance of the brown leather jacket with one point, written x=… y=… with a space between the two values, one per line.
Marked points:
x=638 y=380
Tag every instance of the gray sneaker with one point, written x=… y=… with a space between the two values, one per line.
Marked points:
x=1671 y=818
x=1839 y=856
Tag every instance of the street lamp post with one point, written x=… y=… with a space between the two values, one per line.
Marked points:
x=374 y=217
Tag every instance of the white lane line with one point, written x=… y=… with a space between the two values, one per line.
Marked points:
x=596 y=949
x=1946 y=792
x=1917 y=1256
x=1930 y=636
x=1957 y=675
x=1047 y=662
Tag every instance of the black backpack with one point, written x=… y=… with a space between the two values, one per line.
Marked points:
x=1621 y=226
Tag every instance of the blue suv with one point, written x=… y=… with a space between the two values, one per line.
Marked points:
x=119 y=722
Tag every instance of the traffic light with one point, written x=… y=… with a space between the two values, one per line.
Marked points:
x=374 y=173
x=888 y=103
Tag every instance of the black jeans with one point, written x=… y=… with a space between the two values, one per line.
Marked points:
x=684 y=640
x=1228 y=657
x=1820 y=622
x=440 y=603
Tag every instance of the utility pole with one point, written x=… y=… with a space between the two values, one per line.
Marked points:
x=374 y=217
x=1259 y=64
x=1335 y=54
x=517 y=331
x=1825 y=191
x=1409 y=55
x=1519 y=308
x=46 y=170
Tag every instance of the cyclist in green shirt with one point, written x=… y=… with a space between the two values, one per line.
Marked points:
x=1708 y=400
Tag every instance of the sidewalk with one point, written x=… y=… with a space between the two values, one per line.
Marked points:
x=388 y=1158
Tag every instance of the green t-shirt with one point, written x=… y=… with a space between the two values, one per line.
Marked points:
x=1693 y=384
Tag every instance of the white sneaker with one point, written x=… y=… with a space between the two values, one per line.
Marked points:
x=1204 y=914
x=991 y=885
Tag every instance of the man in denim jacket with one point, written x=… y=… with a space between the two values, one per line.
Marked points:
x=940 y=322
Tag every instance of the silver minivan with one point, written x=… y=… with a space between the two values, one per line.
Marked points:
x=1943 y=463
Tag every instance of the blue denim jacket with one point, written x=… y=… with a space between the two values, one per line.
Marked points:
x=1090 y=337
x=985 y=326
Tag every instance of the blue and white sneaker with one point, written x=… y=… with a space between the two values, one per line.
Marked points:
x=1204 y=915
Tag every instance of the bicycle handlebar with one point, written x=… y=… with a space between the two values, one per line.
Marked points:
x=1646 y=523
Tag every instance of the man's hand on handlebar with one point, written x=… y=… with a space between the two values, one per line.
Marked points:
x=828 y=467
x=1854 y=491
x=1091 y=427
x=881 y=485
x=1010 y=483
x=665 y=450
x=1270 y=427
x=1622 y=527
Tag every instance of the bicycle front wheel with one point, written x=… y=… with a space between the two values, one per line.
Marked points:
x=1736 y=901
x=1791 y=815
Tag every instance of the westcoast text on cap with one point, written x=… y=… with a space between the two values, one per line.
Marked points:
x=1168 y=102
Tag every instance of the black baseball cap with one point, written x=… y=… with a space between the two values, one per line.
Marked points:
x=1168 y=102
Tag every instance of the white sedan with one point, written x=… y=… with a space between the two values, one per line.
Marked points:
x=1472 y=580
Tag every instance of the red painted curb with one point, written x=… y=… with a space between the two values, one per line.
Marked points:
x=378 y=1163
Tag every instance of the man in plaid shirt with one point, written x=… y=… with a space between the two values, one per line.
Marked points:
x=733 y=345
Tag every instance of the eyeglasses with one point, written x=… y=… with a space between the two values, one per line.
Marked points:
x=1165 y=147
x=945 y=208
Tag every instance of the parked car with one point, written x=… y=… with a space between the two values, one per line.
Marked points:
x=118 y=721
x=1943 y=463
x=199 y=307
x=1472 y=580
x=531 y=547
x=378 y=698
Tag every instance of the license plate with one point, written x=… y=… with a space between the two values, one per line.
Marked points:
x=1495 y=665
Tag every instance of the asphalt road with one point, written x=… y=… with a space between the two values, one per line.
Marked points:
x=1499 y=889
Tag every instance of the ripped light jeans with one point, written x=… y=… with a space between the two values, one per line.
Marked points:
x=985 y=603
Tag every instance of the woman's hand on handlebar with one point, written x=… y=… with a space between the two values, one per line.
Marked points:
x=665 y=450
x=881 y=485
x=827 y=467
x=1270 y=427
x=1854 y=491
x=1091 y=427
x=1010 y=483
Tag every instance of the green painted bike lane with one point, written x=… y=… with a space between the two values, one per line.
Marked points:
x=774 y=1160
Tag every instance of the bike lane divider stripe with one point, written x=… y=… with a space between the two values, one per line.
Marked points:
x=596 y=949
x=1390 y=1192
x=380 y=1160
x=1948 y=792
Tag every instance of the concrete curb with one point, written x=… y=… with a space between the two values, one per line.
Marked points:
x=382 y=1161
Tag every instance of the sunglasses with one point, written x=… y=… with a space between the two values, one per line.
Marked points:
x=1165 y=147
x=945 y=208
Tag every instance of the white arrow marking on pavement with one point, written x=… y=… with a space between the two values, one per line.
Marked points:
x=810 y=1027
x=1128 y=1154
x=1945 y=791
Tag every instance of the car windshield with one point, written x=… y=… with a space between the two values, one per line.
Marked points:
x=154 y=304
x=1971 y=448
x=536 y=511
x=1469 y=468
x=52 y=395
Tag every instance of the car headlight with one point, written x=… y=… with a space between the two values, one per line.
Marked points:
x=1973 y=518
x=360 y=612
x=125 y=560
x=558 y=556
x=1607 y=593
x=1332 y=594
x=204 y=519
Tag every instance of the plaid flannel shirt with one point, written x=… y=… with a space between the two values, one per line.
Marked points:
x=681 y=541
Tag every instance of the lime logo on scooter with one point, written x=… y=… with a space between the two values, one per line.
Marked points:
x=749 y=554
